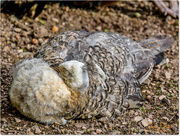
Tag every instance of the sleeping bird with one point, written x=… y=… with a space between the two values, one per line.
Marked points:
x=81 y=74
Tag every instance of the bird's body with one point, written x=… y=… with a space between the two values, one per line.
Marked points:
x=83 y=74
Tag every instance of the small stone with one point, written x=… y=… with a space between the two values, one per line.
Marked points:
x=138 y=118
x=20 y=51
x=103 y=120
x=165 y=118
x=137 y=14
x=47 y=127
x=93 y=133
x=14 y=111
x=17 y=120
x=99 y=28
x=35 y=41
x=13 y=45
x=40 y=40
x=168 y=75
x=131 y=112
x=37 y=131
x=113 y=133
x=148 y=92
x=79 y=132
x=28 y=132
x=163 y=90
x=17 y=36
x=148 y=98
x=4 y=120
x=13 y=18
x=80 y=125
x=17 y=30
x=55 y=20
x=66 y=8
x=124 y=123
x=146 y=122
x=57 y=123
x=55 y=29
x=98 y=131
x=150 y=116
x=6 y=48
x=162 y=97
x=141 y=130
x=84 y=128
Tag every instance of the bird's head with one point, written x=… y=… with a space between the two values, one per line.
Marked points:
x=74 y=74
x=40 y=93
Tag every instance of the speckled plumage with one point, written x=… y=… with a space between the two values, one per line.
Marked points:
x=113 y=67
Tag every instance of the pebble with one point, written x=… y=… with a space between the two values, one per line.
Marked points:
x=93 y=133
x=138 y=118
x=6 y=48
x=17 y=36
x=165 y=118
x=148 y=98
x=55 y=29
x=150 y=116
x=35 y=41
x=137 y=14
x=98 y=131
x=37 y=131
x=17 y=30
x=99 y=28
x=66 y=8
x=55 y=20
x=103 y=120
x=124 y=123
x=131 y=112
x=47 y=127
x=13 y=18
x=147 y=81
x=28 y=132
x=162 y=97
x=148 y=92
x=13 y=45
x=84 y=128
x=146 y=122
x=20 y=51
x=17 y=120
x=113 y=133
x=168 y=75
x=80 y=132
x=80 y=125
x=4 y=120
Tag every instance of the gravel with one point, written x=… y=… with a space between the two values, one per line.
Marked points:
x=21 y=38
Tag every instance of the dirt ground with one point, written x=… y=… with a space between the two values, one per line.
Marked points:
x=21 y=38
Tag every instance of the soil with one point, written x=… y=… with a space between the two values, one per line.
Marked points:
x=21 y=38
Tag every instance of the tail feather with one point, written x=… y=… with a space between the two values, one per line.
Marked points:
x=158 y=58
x=155 y=47
x=160 y=43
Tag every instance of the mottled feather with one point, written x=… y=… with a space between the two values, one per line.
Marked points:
x=115 y=64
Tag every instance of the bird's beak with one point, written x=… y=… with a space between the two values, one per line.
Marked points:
x=55 y=67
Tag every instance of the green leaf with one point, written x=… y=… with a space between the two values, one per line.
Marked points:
x=23 y=49
x=135 y=130
x=167 y=65
x=141 y=109
x=158 y=107
x=106 y=30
